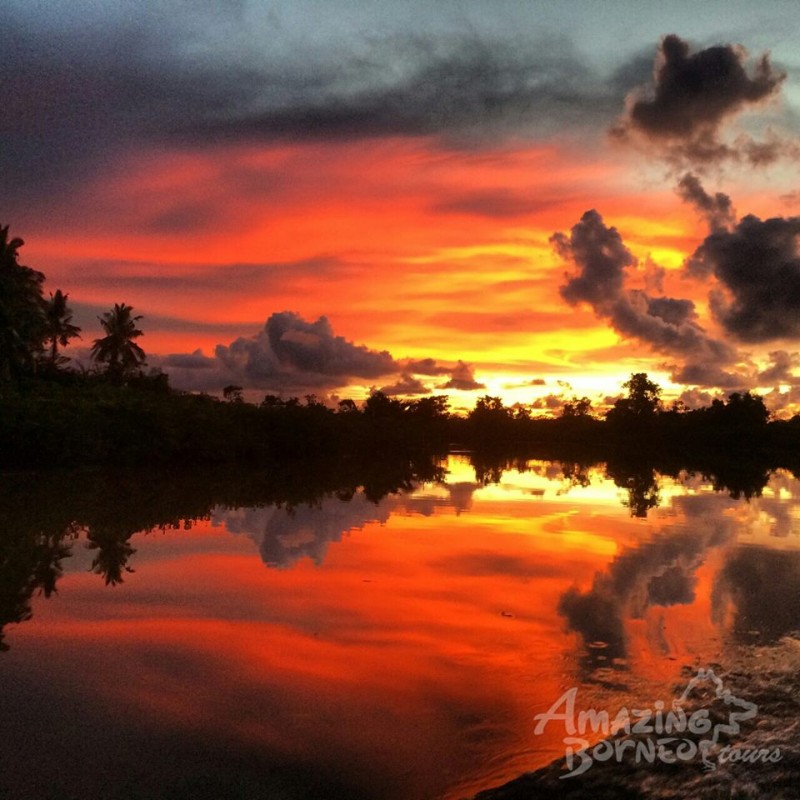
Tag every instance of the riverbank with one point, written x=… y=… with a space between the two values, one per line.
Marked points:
x=768 y=677
x=72 y=420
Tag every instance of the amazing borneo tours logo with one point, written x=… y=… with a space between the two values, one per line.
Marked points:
x=668 y=735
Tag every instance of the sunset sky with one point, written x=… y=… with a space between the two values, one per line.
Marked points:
x=524 y=199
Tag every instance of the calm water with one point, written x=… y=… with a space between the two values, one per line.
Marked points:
x=360 y=649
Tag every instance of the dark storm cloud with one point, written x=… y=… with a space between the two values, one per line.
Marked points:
x=78 y=92
x=758 y=268
x=716 y=209
x=667 y=324
x=693 y=95
x=698 y=90
x=417 y=85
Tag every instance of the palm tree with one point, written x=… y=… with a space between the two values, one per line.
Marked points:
x=21 y=309
x=58 y=320
x=117 y=348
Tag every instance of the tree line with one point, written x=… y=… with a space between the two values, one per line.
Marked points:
x=54 y=415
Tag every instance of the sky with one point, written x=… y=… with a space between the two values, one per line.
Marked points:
x=531 y=200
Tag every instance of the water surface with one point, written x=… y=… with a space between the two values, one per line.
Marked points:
x=361 y=644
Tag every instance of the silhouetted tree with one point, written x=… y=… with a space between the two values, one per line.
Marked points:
x=233 y=394
x=430 y=408
x=113 y=551
x=22 y=326
x=577 y=407
x=380 y=406
x=117 y=348
x=747 y=411
x=637 y=413
x=644 y=396
x=58 y=324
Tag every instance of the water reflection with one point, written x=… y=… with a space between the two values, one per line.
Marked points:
x=660 y=572
x=762 y=589
x=403 y=629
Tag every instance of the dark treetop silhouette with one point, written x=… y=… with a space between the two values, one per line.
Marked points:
x=58 y=325
x=55 y=415
x=117 y=348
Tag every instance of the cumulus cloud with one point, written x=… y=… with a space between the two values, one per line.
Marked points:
x=601 y=258
x=424 y=366
x=661 y=572
x=289 y=354
x=526 y=384
x=696 y=398
x=717 y=209
x=462 y=377
x=780 y=368
x=757 y=266
x=194 y=360
x=693 y=96
x=549 y=401
x=407 y=384
x=669 y=325
x=285 y=536
x=709 y=373
x=291 y=347
x=292 y=356
x=653 y=276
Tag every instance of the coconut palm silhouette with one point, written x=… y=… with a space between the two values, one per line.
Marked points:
x=58 y=324
x=117 y=348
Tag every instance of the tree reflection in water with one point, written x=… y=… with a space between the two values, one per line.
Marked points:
x=41 y=518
